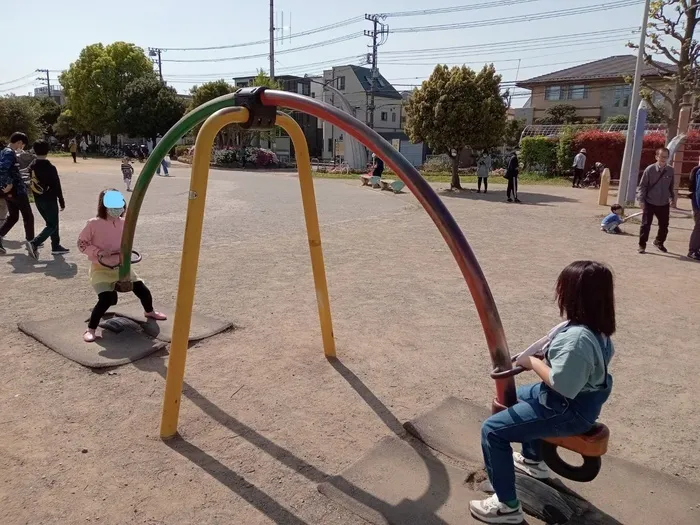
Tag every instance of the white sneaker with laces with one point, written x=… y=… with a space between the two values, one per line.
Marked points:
x=490 y=510
x=534 y=469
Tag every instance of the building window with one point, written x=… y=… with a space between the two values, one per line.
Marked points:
x=393 y=117
x=384 y=116
x=330 y=145
x=552 y=93
x=577 y=92
x=622 y=96
x=341 y=83
x=313 y=94
x=306 y=89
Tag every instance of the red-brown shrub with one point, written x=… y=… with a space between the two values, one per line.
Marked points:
x=609 y=148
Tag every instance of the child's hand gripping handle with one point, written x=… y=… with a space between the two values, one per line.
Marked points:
x=135 y=258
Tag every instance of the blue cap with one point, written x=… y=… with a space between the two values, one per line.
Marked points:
x=113 y=199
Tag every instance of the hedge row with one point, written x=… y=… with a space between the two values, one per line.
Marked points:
x=554 y=155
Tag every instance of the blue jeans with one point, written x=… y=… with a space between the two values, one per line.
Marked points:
x=165 y=168
x=539 y=413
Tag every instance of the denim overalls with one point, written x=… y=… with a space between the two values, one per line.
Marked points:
x=540 y=413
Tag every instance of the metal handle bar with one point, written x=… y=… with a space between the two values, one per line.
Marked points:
x=135 y=258
x=499 y=374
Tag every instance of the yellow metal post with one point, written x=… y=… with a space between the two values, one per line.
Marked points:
x=604 y=188
x=308 y=199
x=189 y=263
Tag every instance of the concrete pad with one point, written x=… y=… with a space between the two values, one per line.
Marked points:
x=624 y=492
x=201 y=327
x=398 y=483
x=64 y=335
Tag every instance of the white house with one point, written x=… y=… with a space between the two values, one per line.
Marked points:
x=355 y=83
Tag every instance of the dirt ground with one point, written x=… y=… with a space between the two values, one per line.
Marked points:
x=264 y=416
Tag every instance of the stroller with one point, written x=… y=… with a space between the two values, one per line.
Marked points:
x=593 y=175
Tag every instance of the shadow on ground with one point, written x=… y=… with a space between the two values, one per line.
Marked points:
x=58 y=268
x=528 y=198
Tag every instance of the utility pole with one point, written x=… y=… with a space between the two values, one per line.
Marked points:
x=379 y=34
x=634 y=106
x=155 y=52
x=48 y=80
x=272 y=39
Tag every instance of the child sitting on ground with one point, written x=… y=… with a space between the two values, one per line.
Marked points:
x=611 y=223
x=127 y=172
x=101 y=239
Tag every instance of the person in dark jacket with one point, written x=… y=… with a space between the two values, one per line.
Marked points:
x=377 y=166
x=14 y=191
x=48 y=196
x=694 y=245
x=512 y=176
x=655 y=194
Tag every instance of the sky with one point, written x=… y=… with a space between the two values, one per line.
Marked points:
x=518 y=46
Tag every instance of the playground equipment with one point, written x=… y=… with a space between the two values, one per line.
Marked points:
x=256 y=108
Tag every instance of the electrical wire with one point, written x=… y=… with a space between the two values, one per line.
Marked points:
x=11 y=89
x=457 y=8
x=335 y=25
x=18 y=79
x=520 y=18
x=315 y=45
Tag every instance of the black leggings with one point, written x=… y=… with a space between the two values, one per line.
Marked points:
x=486 y=183
x=16 y=205
x=107 y=299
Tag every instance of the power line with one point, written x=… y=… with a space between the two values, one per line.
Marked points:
x=458 y=8
x=462 y=56
x=315 y=45
x=518 y=44
x=335 y=25
x=7 y=90
x=521 y=18
x=296 y=67
x=17 y=79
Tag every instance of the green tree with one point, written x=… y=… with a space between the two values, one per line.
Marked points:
x=616 y=119
x=513 y=132
x=66 y=126
x=456 y=108
x=49 y=110
x=148 y=107
x=209 y=91
x=670 y=38
x=19 y=114
x=559 y=114
x=95 y=83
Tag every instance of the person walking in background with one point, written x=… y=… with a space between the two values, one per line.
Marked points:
x=48 y=196
x=14 y=191
x=127 y=172
x=579 y=166
x=83 y=148
x=655 y=194
x=483 y=168
x=377 y=166
x=512 y=176
x=694 y=245
x=73 y=148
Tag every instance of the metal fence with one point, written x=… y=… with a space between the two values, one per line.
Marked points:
x=555 y=130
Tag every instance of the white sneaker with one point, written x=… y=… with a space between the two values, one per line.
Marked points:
x=534 y=469
x=490 y=510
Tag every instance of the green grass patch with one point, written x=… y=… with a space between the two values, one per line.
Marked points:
x=524 y=178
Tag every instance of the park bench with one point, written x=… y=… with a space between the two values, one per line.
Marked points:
x=370 y=180
x=394 y=185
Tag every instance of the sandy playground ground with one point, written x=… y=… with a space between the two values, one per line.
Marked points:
x=264 y=416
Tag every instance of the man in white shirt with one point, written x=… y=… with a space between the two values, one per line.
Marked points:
x=579 y=165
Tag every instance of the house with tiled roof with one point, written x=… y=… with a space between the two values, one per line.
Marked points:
x=598 y=90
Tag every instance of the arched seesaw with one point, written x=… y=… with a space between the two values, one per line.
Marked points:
x=257 y=109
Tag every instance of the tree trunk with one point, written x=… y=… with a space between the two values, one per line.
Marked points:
x=456 y=183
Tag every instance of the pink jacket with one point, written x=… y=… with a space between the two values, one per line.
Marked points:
x=101 y=235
